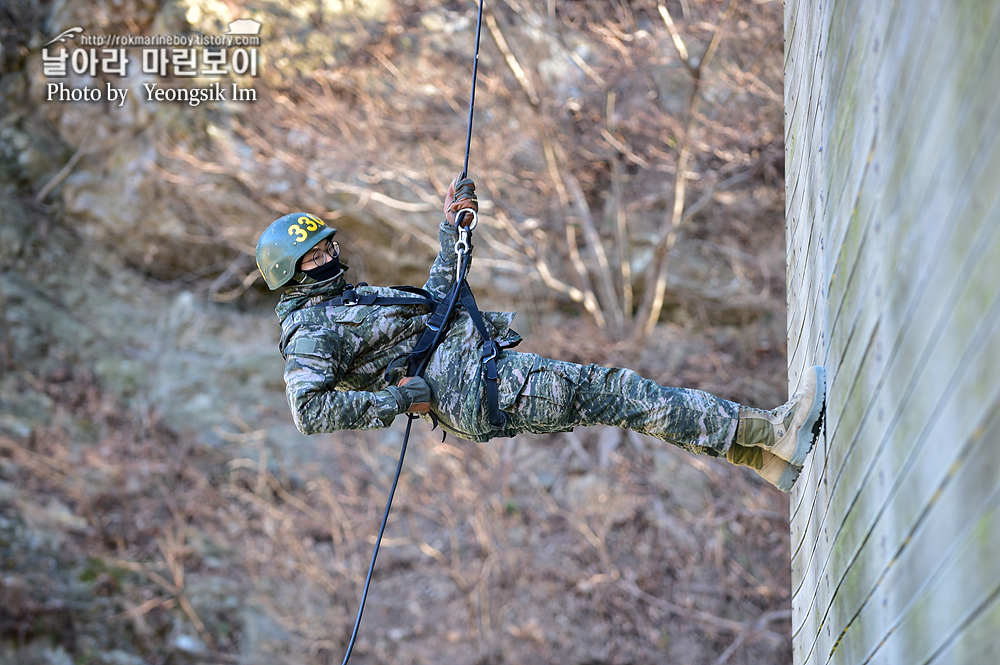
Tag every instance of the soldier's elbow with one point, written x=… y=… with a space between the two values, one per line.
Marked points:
x=303 y=415
x=307 y=423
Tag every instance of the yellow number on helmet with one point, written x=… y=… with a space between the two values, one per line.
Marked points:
x=297 y=231
x=309 y=222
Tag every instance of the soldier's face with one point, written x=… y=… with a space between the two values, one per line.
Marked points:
x=327 y=250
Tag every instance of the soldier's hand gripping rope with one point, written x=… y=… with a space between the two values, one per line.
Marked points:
x=461 y=195
x=461 y=208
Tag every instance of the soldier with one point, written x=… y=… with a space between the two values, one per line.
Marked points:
x=345 y=346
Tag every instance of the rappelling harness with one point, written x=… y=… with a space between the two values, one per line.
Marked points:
x=442 y=315
x=437 y=325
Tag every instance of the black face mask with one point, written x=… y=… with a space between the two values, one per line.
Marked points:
x=324 y=272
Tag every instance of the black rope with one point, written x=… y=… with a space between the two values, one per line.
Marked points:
x=419 y=370
x=378 y=541
x=423 y=362
x=472 y=96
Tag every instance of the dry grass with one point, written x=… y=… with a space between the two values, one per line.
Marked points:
x=548 y=549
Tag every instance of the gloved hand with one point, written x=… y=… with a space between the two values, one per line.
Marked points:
x=412 y=395
x=461 y=195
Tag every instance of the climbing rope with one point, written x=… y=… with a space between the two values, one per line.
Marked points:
x=463 y=247
x=472 y=95
x=378 y=541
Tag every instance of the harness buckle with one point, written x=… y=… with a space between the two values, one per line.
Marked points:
x=494 y=352
x=349 y=298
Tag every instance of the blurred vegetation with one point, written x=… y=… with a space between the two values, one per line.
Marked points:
x=154 y=507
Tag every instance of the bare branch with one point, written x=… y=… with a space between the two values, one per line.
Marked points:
x=748 y=629
x=716 y=36
x=621 y=219
x=512 y=62
x=596 y=246
x=65 y=170
x=674 y=35
x=701 y=616
x=589 y=299
x=586 y=298
x=587 y=69
x=707 y=197
x=581 y=271
x=663 y=249
x=654 y=299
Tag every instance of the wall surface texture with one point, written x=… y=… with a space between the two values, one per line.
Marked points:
x=893 y=229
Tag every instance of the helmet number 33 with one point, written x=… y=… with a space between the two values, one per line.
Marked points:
x=311 y=224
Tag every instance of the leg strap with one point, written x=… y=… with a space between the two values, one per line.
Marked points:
x=491 y=351
x=434 y=333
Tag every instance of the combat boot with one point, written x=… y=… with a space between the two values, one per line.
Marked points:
x=770 y=467
x=789 y=431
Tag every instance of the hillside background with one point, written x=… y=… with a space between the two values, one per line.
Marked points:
x=156 y=503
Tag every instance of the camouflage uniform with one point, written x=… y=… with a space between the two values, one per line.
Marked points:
x=337 y=358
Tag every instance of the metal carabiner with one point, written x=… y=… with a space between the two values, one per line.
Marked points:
x=471 y=226
x=460 y=263
x=462 y=246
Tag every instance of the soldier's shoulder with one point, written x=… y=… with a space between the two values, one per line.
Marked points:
x=325 y=315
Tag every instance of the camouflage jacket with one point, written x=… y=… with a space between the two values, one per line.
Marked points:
x=337 y=357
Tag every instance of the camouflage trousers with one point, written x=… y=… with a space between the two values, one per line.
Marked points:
x=557 y=396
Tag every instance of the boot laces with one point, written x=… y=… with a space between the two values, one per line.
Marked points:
x=778 y=416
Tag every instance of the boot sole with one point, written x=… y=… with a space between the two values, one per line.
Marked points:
x=788 y=477
x=808 y=431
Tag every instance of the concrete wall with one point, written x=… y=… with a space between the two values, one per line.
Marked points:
x=893 y=229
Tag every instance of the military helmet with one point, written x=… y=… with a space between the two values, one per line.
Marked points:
x=285 y=242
